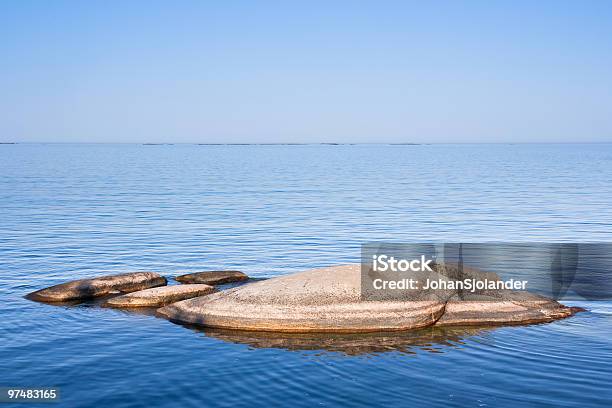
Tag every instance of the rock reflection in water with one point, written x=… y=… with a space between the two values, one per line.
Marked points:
x=430 y=339
x=99 y=302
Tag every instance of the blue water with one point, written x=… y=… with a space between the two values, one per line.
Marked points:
x=71 y=211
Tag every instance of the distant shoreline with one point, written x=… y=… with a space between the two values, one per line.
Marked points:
x=309 y=144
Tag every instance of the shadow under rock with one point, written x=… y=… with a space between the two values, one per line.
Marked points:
x=430 y=339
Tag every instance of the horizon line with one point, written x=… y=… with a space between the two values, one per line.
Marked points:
x=303 y=143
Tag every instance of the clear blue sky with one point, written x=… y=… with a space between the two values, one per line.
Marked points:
x=329 y=71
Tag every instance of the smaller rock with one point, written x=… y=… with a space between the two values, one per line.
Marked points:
x=89 y=288
x=160 y=296
x=502 y=307
x=213 y=277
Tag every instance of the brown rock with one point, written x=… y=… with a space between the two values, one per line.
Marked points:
x=94 y=287
x=160 y=296
x=212 y=277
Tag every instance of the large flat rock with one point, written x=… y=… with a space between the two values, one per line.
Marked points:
x=213 y=277
x=155 y=297
x=320 y=300
x=330 y=300
x=100 y=286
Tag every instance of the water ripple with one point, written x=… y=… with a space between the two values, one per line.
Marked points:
x=72 y=211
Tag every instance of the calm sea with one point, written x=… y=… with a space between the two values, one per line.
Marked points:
x=71 y=211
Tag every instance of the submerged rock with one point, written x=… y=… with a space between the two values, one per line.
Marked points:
x=94 y=287
x=213 y=277
x=331 y=300
x=160 y=296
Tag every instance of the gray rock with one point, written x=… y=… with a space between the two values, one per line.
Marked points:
x=320 y=300
x=329 y=300
x=213 y=277
x=155 y=297
x=94 y=287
